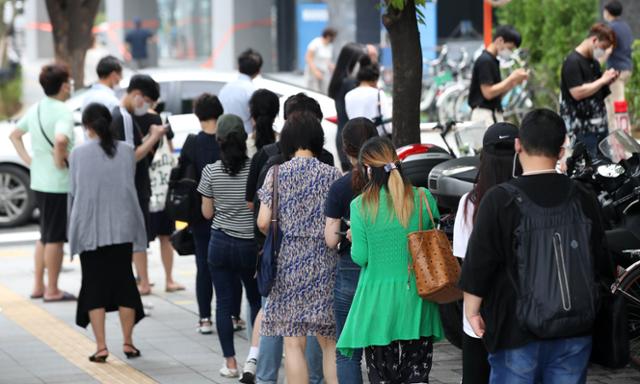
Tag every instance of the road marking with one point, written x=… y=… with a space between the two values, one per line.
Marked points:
x=70 y=344
x=19 y=237
x=16 y=252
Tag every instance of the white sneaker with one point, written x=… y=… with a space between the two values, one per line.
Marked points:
x=205 y=327
x=249 y=372
x=228 y=372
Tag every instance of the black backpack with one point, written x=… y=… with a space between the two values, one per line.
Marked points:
x=555 y=278
x=183 y=200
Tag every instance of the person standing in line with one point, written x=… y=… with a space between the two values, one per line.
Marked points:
x=137 y=41
x=620 y=58
x=342 y=81
x=142 y=92
x=264 y=106
x=232 y=247
x=496 y=167
x=301 y=301
x=562 y=221
x=584 y=88
x=235 y=95
x=395 y=327
x=105 y=228
x=487 y=87
x=319 y=60
x=337 y=210
x=50 y=124
x=109 y=71
x=367 y=100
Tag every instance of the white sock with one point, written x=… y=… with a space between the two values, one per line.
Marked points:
x=253 y=353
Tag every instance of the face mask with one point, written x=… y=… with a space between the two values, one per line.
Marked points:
x=505 y=54
x=142 y=109
x=598 y=53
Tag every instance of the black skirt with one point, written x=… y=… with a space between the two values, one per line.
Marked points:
x=107 y=282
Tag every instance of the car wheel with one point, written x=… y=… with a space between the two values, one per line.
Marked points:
x=17 y=201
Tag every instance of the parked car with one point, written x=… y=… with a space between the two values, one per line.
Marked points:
x=178 y=89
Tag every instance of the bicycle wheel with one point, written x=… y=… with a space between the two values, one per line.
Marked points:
x=462 y=108
x=631 y=285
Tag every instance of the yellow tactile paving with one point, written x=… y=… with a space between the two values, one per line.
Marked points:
x=72 y=345
x=15 y=252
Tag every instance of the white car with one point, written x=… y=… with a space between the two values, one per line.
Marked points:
x=178 y=89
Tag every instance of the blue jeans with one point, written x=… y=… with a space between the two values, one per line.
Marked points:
x=560 y=361
x=270 y=359
x=204 y=286
x=230 y=258
x=349 y=370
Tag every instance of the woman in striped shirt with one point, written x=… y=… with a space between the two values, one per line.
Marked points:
x=232 y=248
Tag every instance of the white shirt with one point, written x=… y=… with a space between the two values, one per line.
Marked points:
x=101 y=94
x=462 y=229
x=235 y=96
x=363 y=102
x=322 y=54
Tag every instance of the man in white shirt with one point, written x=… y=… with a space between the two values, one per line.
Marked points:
x=235 y=95
x=109 y=72
x=319 y=59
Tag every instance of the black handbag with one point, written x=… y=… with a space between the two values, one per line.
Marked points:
x=611 y=333
x=183 y=200
x=267 y=260
x=183 y=242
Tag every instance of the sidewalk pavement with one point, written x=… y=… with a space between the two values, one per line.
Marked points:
x=40 y=343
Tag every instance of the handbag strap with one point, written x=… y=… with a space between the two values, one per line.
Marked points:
x=423 y=196
x=274 y=210
x=42 y=129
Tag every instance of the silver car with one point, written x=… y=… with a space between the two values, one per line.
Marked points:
x=178 y=89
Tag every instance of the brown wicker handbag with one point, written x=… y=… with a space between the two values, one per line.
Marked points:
x=437 y=270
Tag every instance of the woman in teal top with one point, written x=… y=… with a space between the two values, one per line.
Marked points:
x=387 y=318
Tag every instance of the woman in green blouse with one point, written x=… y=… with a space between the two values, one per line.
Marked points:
x=388 y=319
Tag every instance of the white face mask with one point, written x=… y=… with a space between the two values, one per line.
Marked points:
x=505 y=54
x=598 y=53
x=142 y=109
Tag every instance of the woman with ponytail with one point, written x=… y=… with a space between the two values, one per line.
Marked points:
x=354 y=134
x=105 y=227
x=388 y=319
x=264 y=106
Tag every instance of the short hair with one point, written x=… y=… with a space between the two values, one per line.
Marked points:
x=207 y=107
x=249 y=62
x=302 y=131
x=302 y=103
x=603 y=33
x=509 y=34
x=108 y=65
x=146 y=85
x=542 y=133
x=614 y=8
x=369 y=72
x=52 y=76
x=329 y=32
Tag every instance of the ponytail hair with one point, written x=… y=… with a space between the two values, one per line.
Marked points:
x=233 y=152
x=380 y=163
x=264 y=106
x=98 y=118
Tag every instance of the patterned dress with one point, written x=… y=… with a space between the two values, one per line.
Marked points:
x=301 y=300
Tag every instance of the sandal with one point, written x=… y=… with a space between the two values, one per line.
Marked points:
x=132 y=354
x=99 y=359
x=66 y=296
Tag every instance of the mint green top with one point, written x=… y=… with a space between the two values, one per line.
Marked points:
x=386 y=306
x=56 y=119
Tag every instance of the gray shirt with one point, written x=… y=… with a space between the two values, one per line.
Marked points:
x=103 y=204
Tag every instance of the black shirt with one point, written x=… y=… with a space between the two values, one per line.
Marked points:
x=142 y=180
x=337 y=206
x=486 y=71
x=341 y=110
x=490 y=252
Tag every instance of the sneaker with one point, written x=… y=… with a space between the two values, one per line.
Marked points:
x=205 y=327
x=228 y=372
x=238 y=324
x=249 y=372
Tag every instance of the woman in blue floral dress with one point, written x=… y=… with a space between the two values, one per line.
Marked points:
x=301 y=300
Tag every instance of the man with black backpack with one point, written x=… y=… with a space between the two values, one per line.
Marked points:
x=534 y=264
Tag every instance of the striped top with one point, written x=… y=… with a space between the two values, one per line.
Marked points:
x=231 y=213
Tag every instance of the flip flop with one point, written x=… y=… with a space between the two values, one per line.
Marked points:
x=66 y=296
x=34 y=297
x=175 y=288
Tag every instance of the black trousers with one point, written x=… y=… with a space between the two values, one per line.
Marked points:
x=475 y=361
x=405 y=361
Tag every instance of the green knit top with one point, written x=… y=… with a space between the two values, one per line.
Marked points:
x=386 y=306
